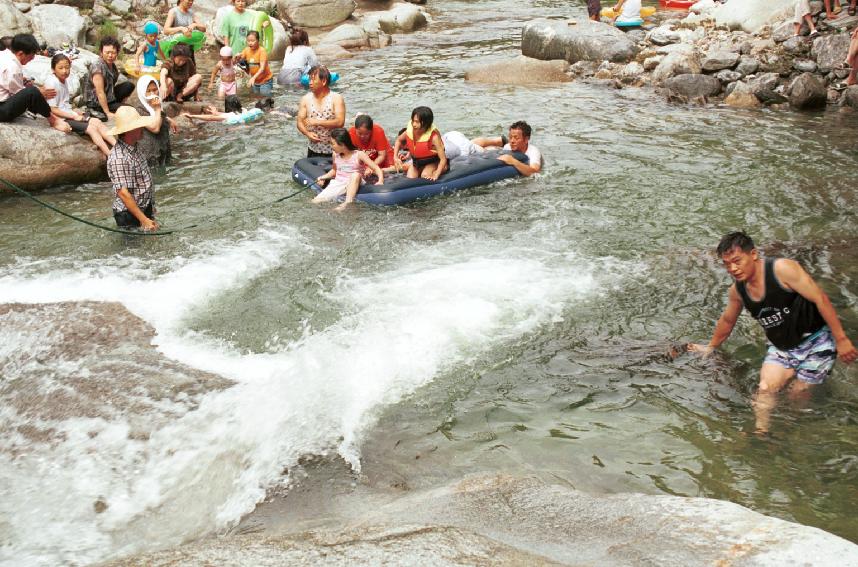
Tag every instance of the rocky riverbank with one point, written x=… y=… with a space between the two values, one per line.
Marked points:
x=742 y=54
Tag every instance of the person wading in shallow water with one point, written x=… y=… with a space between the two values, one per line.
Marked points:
x=804 y=333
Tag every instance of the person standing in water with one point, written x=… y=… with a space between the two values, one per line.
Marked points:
x=319 y=112
x=804 y=333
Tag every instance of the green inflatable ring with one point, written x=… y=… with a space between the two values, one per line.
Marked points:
x=266 y=34
x=196 y=41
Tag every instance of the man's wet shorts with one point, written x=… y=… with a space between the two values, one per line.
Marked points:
x=812 y=359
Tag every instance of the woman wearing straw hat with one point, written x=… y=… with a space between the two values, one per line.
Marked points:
x=134 y=205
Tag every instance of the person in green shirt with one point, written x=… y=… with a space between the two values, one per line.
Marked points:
x=236 y=24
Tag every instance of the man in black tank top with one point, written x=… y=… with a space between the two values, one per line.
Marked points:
x=801 y=325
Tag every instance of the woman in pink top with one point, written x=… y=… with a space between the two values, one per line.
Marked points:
x=346 y=170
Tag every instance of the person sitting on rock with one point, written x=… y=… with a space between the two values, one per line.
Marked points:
x=803 y=13
x=627 y=11
x=103 y=93
x=70 y=120
x=179 y=78
x=17 y=94
x=183 y=20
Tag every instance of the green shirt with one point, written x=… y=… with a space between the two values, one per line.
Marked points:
x=235 y=26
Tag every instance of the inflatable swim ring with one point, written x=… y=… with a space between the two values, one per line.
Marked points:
x=266 y=34
x=646 y=12
x=249 y=115
x=196 y=41
x=305 y=79
x=629 y=23
x=677 y=4
x=465 y=171
x=132 y=70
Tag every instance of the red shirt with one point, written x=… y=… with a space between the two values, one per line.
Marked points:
x=377 y=142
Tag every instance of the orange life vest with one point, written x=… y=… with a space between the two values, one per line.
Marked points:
x=421 y=148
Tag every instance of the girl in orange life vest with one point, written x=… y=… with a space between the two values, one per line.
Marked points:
x=423 y=140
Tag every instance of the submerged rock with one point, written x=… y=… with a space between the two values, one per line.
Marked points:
x=520 y=70
x=35 y=156
x=347 y=36
x=587 y=40
x=401 y=18
x=807 y=92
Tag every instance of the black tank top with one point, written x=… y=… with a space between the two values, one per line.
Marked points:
x=786 y=316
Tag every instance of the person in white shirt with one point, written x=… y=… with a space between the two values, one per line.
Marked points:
x=457 y=144
x=17 y=94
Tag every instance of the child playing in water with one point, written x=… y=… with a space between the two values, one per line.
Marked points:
x=70 y=120
x=232 y=114
x=423 y=140
x=227 y=72
x=261 y=79
x=346 y=171
x=150 y=48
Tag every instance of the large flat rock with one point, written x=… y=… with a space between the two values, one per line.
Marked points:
x=504 y=520
x=35 y=156
x=584 y=41
x=520 y=70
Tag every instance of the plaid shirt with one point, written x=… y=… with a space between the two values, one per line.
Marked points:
x=127 y=167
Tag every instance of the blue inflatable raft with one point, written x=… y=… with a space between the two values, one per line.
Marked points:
x=465 y=171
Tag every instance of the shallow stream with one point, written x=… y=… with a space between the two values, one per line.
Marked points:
x=520 y=327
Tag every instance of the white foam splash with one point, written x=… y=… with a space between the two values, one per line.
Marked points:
x=398 y=330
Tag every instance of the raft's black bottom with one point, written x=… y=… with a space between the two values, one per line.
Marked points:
x=465 y=171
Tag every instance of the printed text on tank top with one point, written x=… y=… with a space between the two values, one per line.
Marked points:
x=323 y=111
x=785 y=315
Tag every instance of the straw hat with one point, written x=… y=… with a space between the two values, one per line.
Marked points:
x=126 y=119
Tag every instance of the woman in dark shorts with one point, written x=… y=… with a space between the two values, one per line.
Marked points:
x=69 y=120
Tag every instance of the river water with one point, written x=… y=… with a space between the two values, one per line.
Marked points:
x=521 y=327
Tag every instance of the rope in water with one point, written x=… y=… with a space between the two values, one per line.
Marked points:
x=139 y=232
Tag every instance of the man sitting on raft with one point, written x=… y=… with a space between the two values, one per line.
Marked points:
x=423 y=140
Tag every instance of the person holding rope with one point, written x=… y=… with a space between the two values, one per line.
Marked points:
x=804 y=333
x=134 y=204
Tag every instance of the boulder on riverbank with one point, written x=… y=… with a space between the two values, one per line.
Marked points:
x=35 y=156
x=56 y=24
x=520 y=70
x=584 y=41
x=315 y=13
x=807 y=92
x=13 y=20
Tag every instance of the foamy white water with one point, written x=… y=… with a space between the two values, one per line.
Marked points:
x=206 y=468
